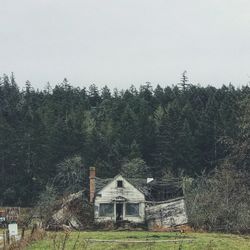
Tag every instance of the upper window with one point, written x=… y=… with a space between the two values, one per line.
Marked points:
x=119 y=184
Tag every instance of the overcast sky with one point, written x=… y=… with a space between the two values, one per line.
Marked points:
x=124 y=42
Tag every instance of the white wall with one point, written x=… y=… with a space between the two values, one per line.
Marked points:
x=128 y=191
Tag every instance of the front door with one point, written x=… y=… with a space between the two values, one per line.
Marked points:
x=119 y=211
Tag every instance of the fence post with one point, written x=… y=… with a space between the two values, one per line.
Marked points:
x=8 y=237
x=22 y=235
x=33 y=229
x=4 y=239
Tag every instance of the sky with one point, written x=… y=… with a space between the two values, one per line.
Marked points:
x=123 y=42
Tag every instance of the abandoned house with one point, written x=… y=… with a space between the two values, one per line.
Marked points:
x=159 y=203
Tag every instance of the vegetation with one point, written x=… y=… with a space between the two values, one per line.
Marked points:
x=197 y=241
x=49 y=138
x=219 y=201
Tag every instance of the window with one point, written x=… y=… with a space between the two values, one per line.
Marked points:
x=106 y=209
x=119 y=184
x=132 y=209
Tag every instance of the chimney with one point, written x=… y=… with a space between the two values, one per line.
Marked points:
x=91 y=184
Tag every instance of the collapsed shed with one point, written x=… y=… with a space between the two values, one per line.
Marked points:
x=170 y=213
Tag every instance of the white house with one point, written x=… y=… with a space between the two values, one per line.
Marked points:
x=119 y=200
x=136 y=200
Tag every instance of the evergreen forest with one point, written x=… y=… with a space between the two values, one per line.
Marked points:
x=178 y=130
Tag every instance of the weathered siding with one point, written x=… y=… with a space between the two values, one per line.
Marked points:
x=167 y=214
x=131 y=195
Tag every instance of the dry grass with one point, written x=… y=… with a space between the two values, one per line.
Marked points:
x=126 y=240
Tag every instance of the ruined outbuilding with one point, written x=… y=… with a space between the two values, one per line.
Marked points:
x=157 y=203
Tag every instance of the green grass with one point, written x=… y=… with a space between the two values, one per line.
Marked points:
x=200 y=241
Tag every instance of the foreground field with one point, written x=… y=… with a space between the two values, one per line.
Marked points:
x=136 y=240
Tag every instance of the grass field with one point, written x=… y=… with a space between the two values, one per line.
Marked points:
x=91 y=241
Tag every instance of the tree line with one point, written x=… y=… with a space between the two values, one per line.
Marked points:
x=182 y=129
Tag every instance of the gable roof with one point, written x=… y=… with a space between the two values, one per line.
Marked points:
x=154 y=190
x=138 y=183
